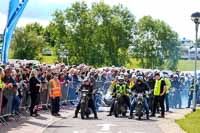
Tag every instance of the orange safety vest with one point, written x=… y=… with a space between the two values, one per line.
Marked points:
x=55 y=90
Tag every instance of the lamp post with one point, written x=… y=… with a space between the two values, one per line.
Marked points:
x=196 y=19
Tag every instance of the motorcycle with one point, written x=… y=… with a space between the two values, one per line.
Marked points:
x=85 y=111
x=139 y=105
x=119 y=106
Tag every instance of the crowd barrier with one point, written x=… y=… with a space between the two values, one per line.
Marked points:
x=8 y=98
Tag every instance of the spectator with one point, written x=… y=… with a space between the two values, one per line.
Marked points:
x=10 y=91
x=34 y=89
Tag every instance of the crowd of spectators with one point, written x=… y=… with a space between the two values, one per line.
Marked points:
x=26 y=84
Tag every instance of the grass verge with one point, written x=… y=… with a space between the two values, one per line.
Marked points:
x=191 y=122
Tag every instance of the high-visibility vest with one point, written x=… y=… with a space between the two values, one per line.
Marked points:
x=157 y=87
x=2 y=85
x=112 y=86
x=56 y=89
x=168 y=84
x=131 y=84
x=121 y=89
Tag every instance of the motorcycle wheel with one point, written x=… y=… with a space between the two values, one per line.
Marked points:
x=124 y=114
x=83 y=111
x=116 y=108
x=139 y=111
x=139 y=117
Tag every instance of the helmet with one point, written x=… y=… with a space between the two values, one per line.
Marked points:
x=161 y=75
x=121 y=74
x=175 y=76
x=166 y=75
x=140 y=78
x=150 y=75
x=121 y=77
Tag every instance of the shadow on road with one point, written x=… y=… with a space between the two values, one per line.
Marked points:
x=56 y=126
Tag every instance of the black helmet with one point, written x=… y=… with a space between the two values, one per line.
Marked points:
x=140 y=78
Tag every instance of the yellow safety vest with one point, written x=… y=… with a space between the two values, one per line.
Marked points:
x=121 y=88
x=2 y=85
x=157 y=87
x=131 y=84
x=168 y=84
x=112 y=86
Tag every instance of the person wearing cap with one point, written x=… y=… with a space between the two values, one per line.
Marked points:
x=159 y=95
x=140 y=87
x=88 y=86
x=55 y=94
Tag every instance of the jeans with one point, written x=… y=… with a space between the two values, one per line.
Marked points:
x=146 y=106
x=178 y=99
x=16 y=104
x=167 y=102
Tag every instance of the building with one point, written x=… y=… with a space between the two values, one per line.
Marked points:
x=188 y=50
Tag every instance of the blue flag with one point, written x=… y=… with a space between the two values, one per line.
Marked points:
x=16 y=9
x=12 y=7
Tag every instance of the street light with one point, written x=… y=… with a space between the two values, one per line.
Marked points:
x=196 y=19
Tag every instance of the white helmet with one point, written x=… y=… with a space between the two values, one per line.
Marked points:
x=121 y=77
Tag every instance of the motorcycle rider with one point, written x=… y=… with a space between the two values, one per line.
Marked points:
x=140 y=87
x=87 y=86
x=123 y=88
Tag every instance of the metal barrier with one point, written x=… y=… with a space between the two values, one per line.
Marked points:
x=177 y=98
x=12 y=105
x=69 y=92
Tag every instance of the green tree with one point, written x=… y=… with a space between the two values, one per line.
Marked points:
x=26 y=43
x=99 y=35
x=155 y=44
x=35 y=27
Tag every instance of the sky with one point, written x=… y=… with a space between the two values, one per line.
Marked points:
x=175 y=13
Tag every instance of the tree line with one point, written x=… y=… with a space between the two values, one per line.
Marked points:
x=101 y=35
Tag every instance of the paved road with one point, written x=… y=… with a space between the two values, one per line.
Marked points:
x=104 y=125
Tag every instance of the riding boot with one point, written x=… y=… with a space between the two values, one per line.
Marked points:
x=131 y=116
x=110 y=114
x=95 y=115
x=76 y=114
x=147 y=116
